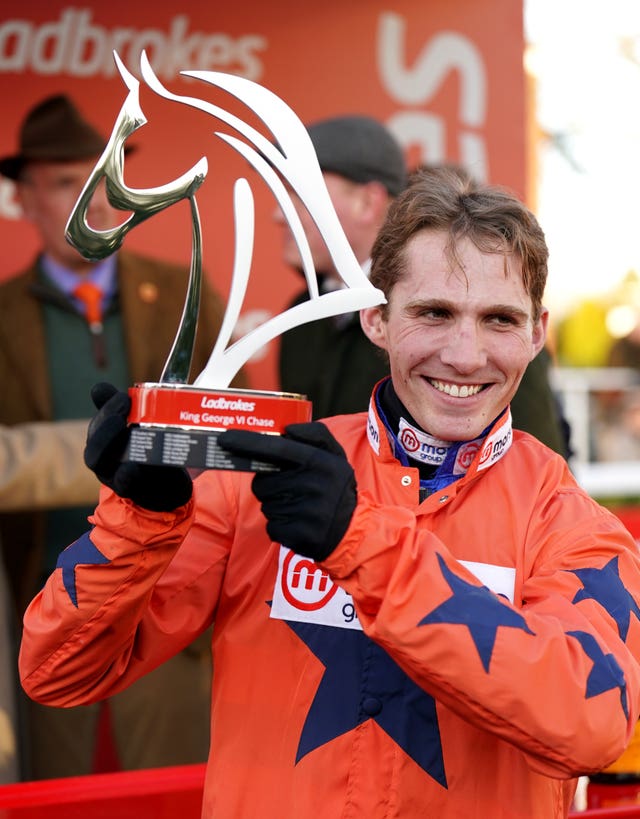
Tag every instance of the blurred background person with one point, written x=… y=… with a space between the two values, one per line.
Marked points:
x=41 y=466
x=331 y=361
x=65 y=324
x=618 y=430
x=625 y=351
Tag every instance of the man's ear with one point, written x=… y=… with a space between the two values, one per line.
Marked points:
x=25 y=201
x=539 y=335
x=374 y=202
x=374 y=326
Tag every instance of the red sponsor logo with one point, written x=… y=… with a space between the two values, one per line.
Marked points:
x=305 y=585
x=467 y=453
x=409 y=440
x=486 y=452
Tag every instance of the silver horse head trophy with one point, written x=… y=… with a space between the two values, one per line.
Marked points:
x=291 y=157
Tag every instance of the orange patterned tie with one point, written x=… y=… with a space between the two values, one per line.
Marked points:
x=91 y=297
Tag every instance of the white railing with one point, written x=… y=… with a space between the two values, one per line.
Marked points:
x=587 y=394
x=613 y=479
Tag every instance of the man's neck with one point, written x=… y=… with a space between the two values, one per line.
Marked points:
x=78 y=266
x=102 y=273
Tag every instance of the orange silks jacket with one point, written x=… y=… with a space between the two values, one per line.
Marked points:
x=464 y=656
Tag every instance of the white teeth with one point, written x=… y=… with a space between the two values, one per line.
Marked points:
x=462 y=391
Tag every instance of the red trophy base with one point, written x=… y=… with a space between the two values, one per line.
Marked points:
x=179 y=425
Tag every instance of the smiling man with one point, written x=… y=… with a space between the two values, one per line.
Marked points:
x=419 y=613
x=459 y=334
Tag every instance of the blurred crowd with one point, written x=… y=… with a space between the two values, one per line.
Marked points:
x=600 y=338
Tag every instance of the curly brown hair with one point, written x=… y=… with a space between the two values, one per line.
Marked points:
x=447 y=198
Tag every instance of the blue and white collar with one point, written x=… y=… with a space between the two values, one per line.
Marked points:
x=451 y=459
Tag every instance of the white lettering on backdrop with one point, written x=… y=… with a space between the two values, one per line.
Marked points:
x=76 y=46
x=413 y=86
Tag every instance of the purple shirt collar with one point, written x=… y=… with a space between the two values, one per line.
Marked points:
x=103 y=274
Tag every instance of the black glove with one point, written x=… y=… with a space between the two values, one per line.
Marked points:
x=309 y=502
x=158 y=488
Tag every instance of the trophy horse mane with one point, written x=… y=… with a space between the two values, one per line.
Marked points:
x=292 y=158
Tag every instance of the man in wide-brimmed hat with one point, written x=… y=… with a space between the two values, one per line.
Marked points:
x=53 y=348
x=53 y=131
x=57 y=150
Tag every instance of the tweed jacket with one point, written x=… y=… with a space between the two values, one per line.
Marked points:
x=151 y=297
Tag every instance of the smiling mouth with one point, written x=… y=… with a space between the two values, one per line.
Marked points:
x=456 y=390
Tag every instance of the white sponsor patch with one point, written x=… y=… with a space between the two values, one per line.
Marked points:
x=500 y=579
x=306 y=594
x=496 y=445
x=373 y=431
x=420 y=445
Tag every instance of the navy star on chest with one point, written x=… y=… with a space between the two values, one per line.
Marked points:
x=477 y=609
x=362 y=682
x=606 y=588
x=82 y=551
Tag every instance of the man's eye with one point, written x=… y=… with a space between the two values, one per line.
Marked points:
x=65 y=185
x=502 y=319
x=435 y=314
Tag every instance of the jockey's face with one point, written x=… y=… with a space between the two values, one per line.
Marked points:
x=459 y=338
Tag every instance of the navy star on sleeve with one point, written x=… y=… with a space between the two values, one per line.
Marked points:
x=605 y=674
x=606 y=588
x=82 y=551
x=477 y=608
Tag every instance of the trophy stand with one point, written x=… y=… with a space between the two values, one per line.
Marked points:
x=172 y=422
x=179 y=425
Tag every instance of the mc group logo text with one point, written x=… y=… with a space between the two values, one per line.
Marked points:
x=495 y=447
x=305 y=593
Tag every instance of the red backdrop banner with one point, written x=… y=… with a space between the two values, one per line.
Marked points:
x=446 y=76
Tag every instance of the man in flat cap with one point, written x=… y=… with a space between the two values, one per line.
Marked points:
x=65 y=324
x=330 y=360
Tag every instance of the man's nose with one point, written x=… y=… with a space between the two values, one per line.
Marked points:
x=101 y=210
x=464 y=349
